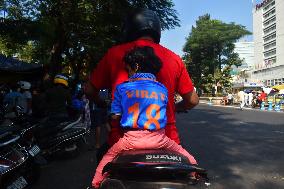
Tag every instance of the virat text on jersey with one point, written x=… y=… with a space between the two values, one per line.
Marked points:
x=145 y=94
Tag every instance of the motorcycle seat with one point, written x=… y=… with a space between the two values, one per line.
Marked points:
x=150 y=156
x=154 y=163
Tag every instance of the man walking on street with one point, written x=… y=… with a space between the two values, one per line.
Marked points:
x=241 y=97
x=250 y=98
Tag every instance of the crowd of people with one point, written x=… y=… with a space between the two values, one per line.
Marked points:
x=247 y=98
x=55 y=101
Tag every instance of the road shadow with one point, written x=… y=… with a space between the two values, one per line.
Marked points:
x=240 y=149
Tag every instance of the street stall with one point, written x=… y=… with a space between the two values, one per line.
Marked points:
x=13 y=70
x=275 y=98
x=278 y=96
x=248 y=86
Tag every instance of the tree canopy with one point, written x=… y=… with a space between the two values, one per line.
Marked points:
x=69 y=32
x=209 y=52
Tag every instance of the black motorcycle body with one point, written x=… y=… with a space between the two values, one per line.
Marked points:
x=152 y=169
x=17 y=167
x=64 y=138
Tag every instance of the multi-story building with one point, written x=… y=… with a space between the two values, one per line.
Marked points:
x=268 y=32
x=242 y=75
x=245 y=51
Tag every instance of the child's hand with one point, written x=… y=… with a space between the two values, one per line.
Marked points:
x=115 y=117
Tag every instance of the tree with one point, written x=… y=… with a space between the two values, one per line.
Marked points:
x=209 y=52
x=69 y=32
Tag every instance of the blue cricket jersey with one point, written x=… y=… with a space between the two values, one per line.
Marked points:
x=141 y=102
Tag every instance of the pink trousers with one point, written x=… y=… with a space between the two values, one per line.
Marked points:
x=140 y=139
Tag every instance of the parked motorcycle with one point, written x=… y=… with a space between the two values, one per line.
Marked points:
x=17 y=167
x=153 y=169
x=64 y=138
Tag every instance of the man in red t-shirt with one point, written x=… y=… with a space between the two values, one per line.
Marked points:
x=143 y=29
x=262 y=96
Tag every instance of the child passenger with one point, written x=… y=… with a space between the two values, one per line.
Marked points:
x=140 y=104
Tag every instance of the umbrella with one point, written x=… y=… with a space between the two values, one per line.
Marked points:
x=278 y=87
x=248 y=90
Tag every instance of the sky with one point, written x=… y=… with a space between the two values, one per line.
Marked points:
x=238 y=11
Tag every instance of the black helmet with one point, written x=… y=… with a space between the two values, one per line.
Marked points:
x=142 y=22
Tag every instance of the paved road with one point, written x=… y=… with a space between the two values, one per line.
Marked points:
x=240 y=149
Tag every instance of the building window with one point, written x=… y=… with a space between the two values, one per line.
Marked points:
x=270 y=36
x=269 y=5
x=270 y=52
x=269 y=13
x=269 y=29
x=277 y=81
x=272 y=83
x=269 y=45
x=269 y=21
x=271 y=60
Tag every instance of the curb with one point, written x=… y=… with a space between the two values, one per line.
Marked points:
x=237 y=107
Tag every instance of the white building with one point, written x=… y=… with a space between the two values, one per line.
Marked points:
x=246 y=53
x=242 y=75
x=268 y=32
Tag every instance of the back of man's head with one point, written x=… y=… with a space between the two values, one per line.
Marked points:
x=142 y=23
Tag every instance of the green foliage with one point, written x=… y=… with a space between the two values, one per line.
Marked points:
x=209 y=52
x=69 y=31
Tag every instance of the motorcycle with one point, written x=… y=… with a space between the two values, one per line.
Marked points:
x=50 y=140
x=25 y=128
x=255 y=102
x=153 y=169
x=65 y=138
x=17 y=167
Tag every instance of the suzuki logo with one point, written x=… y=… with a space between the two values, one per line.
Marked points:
x=167 y=157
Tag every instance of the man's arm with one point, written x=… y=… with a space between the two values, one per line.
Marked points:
x=186 y=89
x=189 y=101
x=93 y=94
x=99 y=79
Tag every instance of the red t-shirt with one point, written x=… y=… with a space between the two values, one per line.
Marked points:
x=111 y=71
x=262 y=96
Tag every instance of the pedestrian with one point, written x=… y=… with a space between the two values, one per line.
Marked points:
x=246 y=96
x=58 y=99
x=262 y=96
x=224 y=100
x=140 y=105
x=241 y=97
x=100 y=117
x=38 y=103
x=230 y=98
x=12 y=99
x=27 y=96
x=142 y=28
x=250 y=98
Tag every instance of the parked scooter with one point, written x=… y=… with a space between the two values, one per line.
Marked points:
x=64 y=138
x=17 y=161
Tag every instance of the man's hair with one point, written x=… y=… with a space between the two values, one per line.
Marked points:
x=146 y=59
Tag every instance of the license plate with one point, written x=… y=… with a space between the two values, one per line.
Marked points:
x=20 y=183
x=34 y=150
